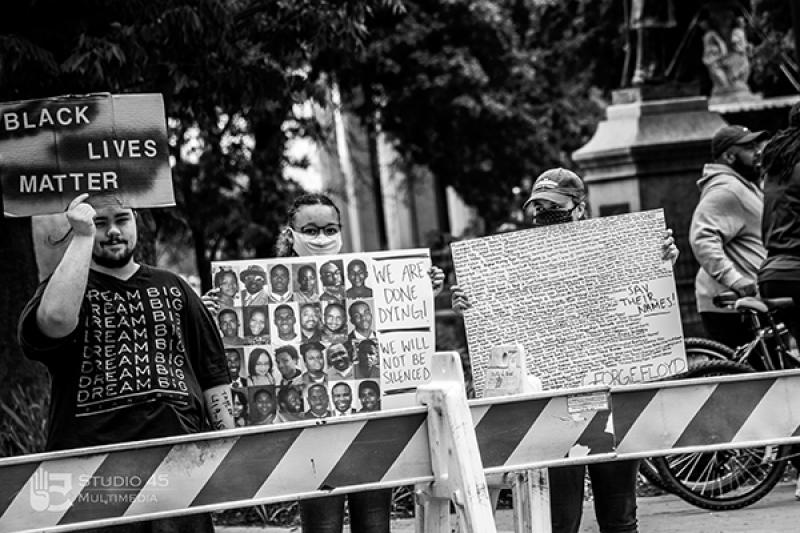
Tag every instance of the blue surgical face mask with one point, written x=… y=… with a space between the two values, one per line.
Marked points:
x=322 y=244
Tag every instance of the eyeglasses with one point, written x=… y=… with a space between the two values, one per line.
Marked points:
x=314 y=231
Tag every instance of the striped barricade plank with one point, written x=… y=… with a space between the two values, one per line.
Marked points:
x=727 y=411
x=181 y=475
x=43 y=495
x=195 y=465
x=193 y=473
x=527 y=433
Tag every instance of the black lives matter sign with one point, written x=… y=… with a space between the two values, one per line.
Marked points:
x=53 y=149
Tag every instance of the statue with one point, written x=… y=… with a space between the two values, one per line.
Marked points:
x=650 y=19
x=726 y=55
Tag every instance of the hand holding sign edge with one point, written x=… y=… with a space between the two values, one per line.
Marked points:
x=80 y=216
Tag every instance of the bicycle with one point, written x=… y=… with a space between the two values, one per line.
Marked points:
x=698 y=350
x=732 y=479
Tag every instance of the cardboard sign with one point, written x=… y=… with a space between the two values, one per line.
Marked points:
x=313 y=337
x=53 y=149
x=592 y=302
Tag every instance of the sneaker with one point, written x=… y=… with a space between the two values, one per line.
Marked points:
x=797 y=489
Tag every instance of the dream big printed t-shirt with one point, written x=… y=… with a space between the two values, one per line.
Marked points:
x=136 y=365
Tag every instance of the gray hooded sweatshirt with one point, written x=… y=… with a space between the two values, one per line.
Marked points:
x=725 y=234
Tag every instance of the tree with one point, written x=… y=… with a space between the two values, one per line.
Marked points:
x=19 y=271
x=485 y=93
x=774 y=57
x=230 y=72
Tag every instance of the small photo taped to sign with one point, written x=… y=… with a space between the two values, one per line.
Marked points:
x=506 y=372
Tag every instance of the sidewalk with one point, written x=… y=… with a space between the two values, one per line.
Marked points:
x=505 y=524
x=777 y=513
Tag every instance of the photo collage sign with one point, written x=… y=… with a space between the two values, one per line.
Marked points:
x=323 y=336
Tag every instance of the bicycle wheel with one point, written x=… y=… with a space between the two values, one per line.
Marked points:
x=649 y=471
x=698 y=350
x=725 y=479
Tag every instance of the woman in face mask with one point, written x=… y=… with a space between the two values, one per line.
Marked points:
x=559 y=196
x=314 y=228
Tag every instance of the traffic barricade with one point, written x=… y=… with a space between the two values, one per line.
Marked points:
x=67 y=490
x=436 y=447
x=706 y=414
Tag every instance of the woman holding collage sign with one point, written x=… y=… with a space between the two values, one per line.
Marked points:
x=315 y=229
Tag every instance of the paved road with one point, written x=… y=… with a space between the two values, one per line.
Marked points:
x=779 y=512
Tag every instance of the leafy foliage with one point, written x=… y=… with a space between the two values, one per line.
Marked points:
x=486 y=94
x=483 y=94
x=229 y=70
x=22 y=424
x=774 y=52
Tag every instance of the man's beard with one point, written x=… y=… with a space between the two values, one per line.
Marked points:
x=750 y=173
x=113 y=262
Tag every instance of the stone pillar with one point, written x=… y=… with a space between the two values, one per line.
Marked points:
x=648 y=155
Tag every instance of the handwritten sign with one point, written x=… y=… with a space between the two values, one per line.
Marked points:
x=328 y=335
x=592 y=302
x=405 y=358
x=404 y=296
x=53 y=149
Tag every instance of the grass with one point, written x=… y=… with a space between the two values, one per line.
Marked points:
x=23 y=420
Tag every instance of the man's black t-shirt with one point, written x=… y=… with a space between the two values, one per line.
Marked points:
x=135 y=367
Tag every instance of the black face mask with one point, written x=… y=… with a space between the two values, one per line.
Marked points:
x=548 y=217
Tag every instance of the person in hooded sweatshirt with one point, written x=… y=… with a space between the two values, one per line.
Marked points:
x=725 y=233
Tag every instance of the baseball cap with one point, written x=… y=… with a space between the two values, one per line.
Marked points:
x=555 y=184
x=728 y=136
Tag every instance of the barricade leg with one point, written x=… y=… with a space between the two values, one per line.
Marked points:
x=496 y=483
x=529 y=488
x=432 y=513
x=457 y=467
x=530 y=497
